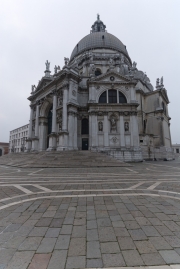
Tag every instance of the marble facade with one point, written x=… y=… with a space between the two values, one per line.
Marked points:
x=100 y=101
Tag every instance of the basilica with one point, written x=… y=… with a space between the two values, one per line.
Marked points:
x=100 y=101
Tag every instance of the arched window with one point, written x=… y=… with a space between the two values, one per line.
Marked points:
x=98 y=72
x=122 y=98
x=103 y=98
x=112 y=96
x=84 y=126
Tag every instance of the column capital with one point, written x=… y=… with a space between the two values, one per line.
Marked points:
x=65 y=85
x=54 y=92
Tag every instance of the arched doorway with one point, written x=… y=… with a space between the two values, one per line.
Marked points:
x=85 y=133
x=0 y=152
x=49 y=118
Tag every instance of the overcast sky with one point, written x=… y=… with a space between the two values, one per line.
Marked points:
x=33 y=31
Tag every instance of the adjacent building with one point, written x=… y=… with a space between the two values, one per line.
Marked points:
x=176 y=148
x=17 y=139
x=99 y=101
x=4 y=148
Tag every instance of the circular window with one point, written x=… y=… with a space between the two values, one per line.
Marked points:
x=112 y=78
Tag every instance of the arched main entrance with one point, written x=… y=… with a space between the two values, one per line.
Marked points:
x=49 y=118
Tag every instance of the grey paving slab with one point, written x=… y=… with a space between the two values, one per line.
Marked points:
x=137 y=234
x=20 y=260
x=77 y=247
x=52 y=232
x=106 y=234
x=92 y=235
x=170 y=256
x=94 y=263
x=93 y=250
x=113 y=260
x=76 y=262
x=58 y=259
x=132 y=258
x=46 y=245
x=110 y=247
x=159 y=243
x=30 y=243
x=126 y=243
x=145 y=247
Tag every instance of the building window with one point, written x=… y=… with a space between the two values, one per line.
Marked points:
x=103 y=98
x=112 y=96
x=122 y=98
x=84 y=126
x=177 y=150
x=98 y=72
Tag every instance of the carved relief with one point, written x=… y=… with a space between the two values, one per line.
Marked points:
x=114 y=140
x=126 y=126
x=100 y=126
x=74 y=93
x=113 y=122
x=59 y=120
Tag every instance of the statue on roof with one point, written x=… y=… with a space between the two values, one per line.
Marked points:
x=47 y=65
x=162 y=81
x=66 y=61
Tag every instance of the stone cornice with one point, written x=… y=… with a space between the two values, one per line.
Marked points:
x=64 y=74
x=120 y=113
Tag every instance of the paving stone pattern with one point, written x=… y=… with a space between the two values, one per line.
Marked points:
x=92 y=224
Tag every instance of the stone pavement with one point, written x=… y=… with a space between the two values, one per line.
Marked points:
x=98 y=217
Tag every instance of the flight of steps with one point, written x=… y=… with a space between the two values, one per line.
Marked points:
x=60 y=159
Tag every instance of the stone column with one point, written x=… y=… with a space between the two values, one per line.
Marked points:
x=43 y=133
x=30 y=122
x=122 y=137
x=106 y=131
x=65 y=94
x=94 y=130
x=29 y=141
x=35 y=139
x=90 y=131
x=75 y=131
x=134 y=131
x=54 y=126
x=52 y=136
x=71 y=129
x=37 y=121
x=63 y=135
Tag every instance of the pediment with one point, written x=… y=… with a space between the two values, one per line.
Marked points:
x=111 y=77
x=43 y=82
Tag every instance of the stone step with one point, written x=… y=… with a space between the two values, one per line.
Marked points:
x=61 y=159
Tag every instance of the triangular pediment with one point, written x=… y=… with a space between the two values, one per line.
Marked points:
x=111 y=77
x=43 y=82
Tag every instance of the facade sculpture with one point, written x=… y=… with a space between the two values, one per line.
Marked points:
x=99 y=101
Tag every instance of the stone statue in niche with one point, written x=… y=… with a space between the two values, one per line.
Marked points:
x=100 y=125
x=126 y=126
x=113 y=124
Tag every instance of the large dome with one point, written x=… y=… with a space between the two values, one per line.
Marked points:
x=97 y=40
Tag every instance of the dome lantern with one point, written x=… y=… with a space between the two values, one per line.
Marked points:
x=98 y=26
